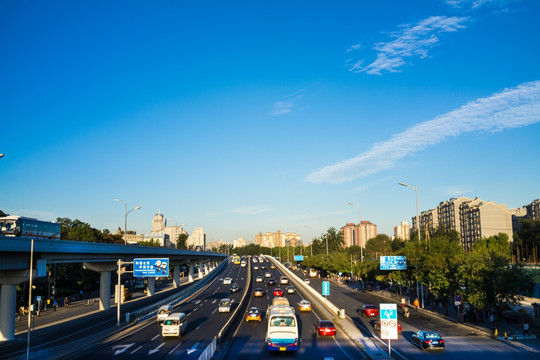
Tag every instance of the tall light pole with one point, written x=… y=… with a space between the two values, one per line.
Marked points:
x=126 y=212
x=326 y=229
x=415 y=188
x=359 y=231
x=310 y=239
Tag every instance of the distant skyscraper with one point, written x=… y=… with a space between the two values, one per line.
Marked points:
x=198 y=239
x=402 y=231
x=158 y=223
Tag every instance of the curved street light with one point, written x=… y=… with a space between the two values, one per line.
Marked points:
x=126 y=212
x=359 y=231
x=415 y=188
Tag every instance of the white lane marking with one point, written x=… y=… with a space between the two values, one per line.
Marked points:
x=213 y=302
x=155 y=349
x=155 y=337
x=193 y=348
x=170 y=352
x=134 y=351
x=123 y=348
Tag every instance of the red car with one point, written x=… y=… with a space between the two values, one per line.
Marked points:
x=325 y=328
x=278 y=292
x=369 y=310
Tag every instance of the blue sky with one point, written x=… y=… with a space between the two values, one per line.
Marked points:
x=251 y=116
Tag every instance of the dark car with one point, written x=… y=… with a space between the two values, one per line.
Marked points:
x=369 y=310
x=235 y=287
x=428 y=340
x=325 y=328
x=271 y=282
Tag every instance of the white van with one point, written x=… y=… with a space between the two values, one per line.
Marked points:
x=163 y=312
x=174 y=325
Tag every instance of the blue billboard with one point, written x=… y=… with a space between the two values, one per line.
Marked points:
x=298 y=257
x=150 y=267
x=393 y=263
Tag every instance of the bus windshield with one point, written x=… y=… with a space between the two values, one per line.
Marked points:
x=282 y=321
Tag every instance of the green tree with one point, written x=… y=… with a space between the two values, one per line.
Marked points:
x=181 y=241
x=489 y=280
x=381 y=245
x=151 y=242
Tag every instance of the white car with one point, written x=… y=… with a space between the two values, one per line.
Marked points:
x=306 y=281
x=259 y=279
x=227 y=281
x=268 y=275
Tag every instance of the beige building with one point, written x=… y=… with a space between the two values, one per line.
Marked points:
x=197 y=239
x=240 y=242
x=278 y=239
x=402 y=231
x=358 y=234
x=480 y=219
x=448 y=212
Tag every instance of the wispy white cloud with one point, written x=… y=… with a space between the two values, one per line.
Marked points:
x=354 y=47
x=510 y=108
x=252 y=210
x=287 y=105
x=412 y=41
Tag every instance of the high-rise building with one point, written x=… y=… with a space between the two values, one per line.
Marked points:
x=448 y=213
x=402 y=231
x=240 y=242
x=278 y=239
x=481 y=219
x=158 y=223
x=358 y=234
x=197 y=239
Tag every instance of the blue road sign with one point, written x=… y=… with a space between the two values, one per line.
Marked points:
x=388 y=311
x=150 y=267
x=326 y=288
x=393 y=263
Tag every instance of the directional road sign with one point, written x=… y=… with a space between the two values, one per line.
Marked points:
x=326 y=288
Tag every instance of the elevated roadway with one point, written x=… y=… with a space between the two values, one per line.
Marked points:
x=15 y=255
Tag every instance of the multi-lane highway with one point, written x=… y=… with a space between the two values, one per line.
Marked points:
x=144 y=340
x=204 y=322
x=249 y=339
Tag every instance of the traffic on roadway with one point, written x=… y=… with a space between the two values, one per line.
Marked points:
x=257 y=308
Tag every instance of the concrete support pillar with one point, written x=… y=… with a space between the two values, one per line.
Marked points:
x=176 y=276
x=200 y=270
x=8 y=307
x=191 y=272
x=150 y=286
x=104 y=290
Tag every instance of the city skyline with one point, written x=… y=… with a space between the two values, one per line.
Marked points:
x=243 y=118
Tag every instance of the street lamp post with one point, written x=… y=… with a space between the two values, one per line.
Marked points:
x=310 y=239
x=359 y=232
x=415 y=188
x=326 y=228
x=126 y=212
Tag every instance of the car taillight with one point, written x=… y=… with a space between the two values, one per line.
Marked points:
x=441 y=341
x=295 y=341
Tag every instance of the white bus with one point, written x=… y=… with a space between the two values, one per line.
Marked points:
x=312 y=273
x=282 y=332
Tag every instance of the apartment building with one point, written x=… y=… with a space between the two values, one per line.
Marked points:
x=278 y=239
x=448 y=212
x=358 y=234
x=402 y=231
x=197 y=239
x=480 y=219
